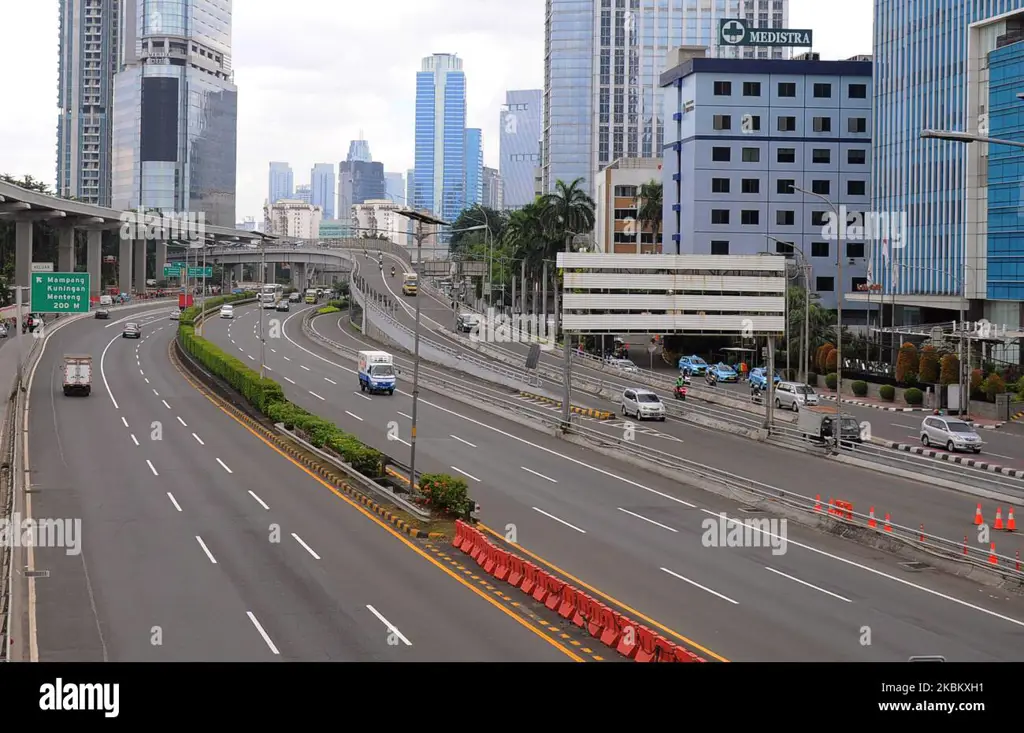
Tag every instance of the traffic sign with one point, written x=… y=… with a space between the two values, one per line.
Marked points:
x=42 y=267
x=200 y=272
x=171 y=271
x=60 y=292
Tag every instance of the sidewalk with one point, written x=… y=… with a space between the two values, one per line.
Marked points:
x=982 y=423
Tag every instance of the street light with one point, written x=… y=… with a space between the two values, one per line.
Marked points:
x=420 y=219
x=259 y=301
x=968 y=137
x=805 y=340
x=839 y=308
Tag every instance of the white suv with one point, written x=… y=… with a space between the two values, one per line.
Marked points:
x=643 y=404
x=793 y=396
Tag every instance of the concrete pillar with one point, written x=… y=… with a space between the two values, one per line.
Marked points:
x=139 y=265
x=124 y=265
x=66 y=249
x=294 y=274
x=161 y=259
x=23 y=253
x=271 y=273
x=94 y=262
x=237 y=273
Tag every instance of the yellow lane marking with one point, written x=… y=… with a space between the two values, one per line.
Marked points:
x=604 y=595
x=387 y=528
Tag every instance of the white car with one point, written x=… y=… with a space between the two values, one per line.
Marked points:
x=227 y=311
x=175 y=315
x=793 y=396
x=625 y=365
x=643 y=404
x=951 y=433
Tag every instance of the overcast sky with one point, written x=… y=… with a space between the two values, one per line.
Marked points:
x=313 y=73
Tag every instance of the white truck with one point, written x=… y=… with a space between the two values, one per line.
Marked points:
x=376 y=372
x=77 y=374
x=818 y=423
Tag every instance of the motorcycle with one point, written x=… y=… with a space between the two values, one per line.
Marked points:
x=711 y=378
x=392 y=272
x=679 y=392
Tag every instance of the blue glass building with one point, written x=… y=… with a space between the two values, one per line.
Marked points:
x=440 y=158
x=519 y=145
x=321 y=184
x=281 y=182
x=474 y=167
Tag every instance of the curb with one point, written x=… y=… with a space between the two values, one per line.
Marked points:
x=878 y=407
x=287 y=447
x=585 y=411
x=950 y=458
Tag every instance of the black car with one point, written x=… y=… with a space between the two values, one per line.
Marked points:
x=103 y=314
x=131 y=331
x=282 y=305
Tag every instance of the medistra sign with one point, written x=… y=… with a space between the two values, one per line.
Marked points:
x=736 y=32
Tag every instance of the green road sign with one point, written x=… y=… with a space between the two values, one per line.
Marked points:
x=60 y=292
x=736 y=32
x=200 y=272
x=171 y=271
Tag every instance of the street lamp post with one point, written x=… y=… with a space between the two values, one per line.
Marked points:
x=259 y=303
x=839 y=309
x=805 y=341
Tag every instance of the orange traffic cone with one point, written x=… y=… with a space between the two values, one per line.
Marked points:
x=831 y=506
x=871 y=519
x=1011 y=523
x=965 y=544
x=977 y=516
x=888 y=527
x=817 y=503
x=999 y=518
x=992 y=559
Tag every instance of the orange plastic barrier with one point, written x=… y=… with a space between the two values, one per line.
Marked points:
x=478 y=545
x=540 y=593
x=529 y=578
x=481 y=552
x=646 y=647
x=606 y=625
x=554 y=587
x=516 y=571
x=628 y=641
x=468 y=539
x=570 y=601
x=460 y=535
x=502 y=568
x=665 y=651
x=491 y=562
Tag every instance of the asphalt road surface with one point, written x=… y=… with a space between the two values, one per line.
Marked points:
x=201 y=543
x=640 y=539
x=943 y=512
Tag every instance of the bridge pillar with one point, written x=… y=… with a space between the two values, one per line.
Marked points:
x=271 y=272
x=139 y=265
x=94 y=261
x=23 y=253
x=236 y=273
x=161 y=260
x=124 y=265
x=66 y=249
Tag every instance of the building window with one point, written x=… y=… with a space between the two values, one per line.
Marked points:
x=750 y=185
x=824 y=284
x=723 y=88
x=719 y=216
x=858 y=91
x=783 y=248
x=785 y=218
x=721 y=122
x=751 y=89
x=822 y=124
x=750 y=216
x=819 y=249
x=855 y=188
x=719 y=185
x=751 y=123
x=787 y=124
x=823 y=91
x=857 y=124
x=719 y=247
x=855 y=249
x=785 y=185
x=821 y=155
x=857 y=283
x=787 y=89
x=751 y=155
x=720 y=155
x=819 y=218
x=786 y=155
x=625 y=192
x=822 y=187
x=856 y=156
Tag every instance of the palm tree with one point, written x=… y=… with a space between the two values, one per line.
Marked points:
x=650 y=209
x=568 y=210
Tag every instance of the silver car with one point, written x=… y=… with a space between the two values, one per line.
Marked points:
x=951 y=433
x=793 y=396
x=643 y=404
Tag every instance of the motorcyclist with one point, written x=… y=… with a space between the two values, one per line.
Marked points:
x=680 y=382
x=392 y=271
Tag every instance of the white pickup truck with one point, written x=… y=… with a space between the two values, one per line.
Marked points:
x=77 y=374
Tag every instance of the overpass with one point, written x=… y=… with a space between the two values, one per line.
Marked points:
x=25 y=208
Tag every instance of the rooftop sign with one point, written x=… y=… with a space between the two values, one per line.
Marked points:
x=736 y=32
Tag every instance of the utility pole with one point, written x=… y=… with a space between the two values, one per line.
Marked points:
x=770 y=402
x=416 y=363
x=259 y=304
x=566 y=349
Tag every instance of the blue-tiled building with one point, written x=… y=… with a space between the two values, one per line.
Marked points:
x=519 y=145
x=742 y=134
x=474 y=167
x=440 y=157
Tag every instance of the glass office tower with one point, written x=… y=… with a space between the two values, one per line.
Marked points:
x=281 y=182
x=474 y=167
x=519 y=145
x=440 y=157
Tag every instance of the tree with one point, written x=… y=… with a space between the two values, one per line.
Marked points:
x=477 y=215
x=906 y=363
x=568 y=210
x=928 y=368
x=650 y=213
x=831 y=361
x=821 y=355
x=950 y=372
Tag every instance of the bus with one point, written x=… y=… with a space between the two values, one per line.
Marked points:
x=311 y=295
x=270 y=295
x=409 y=280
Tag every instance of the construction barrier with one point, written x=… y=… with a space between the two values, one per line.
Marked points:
x=614 y=630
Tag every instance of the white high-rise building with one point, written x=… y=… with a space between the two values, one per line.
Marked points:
x=381 y=217
x=292 y=218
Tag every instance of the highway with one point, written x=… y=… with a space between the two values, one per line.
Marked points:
x=942 y=511
x=637 y=537
x=202 y=543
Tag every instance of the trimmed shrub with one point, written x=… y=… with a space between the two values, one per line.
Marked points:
x=906 y=362
x=950 y=370
x=339 y=304
x=831 y=379
x=913 y=396
x=928 y=366
x=993 y=386
x=831 y=361
x=887 y=392
x=859 y=388
x=977 y=379
x=445 y=493
x=328 y=309
x=821 y=355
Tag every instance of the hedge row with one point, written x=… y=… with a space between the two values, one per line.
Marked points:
x=189 y=315
x=444 y=493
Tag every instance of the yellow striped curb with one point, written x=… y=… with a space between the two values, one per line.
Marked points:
x=585 y=411
x=316 y=467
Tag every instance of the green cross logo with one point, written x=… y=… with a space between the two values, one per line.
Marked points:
x=733 y=32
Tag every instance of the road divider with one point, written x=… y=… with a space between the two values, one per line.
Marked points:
x=616 y=631
x=953 y=458
x=575 y=409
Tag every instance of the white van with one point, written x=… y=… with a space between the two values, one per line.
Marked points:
x=105 y=301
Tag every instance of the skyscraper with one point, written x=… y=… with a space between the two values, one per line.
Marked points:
x=410 y=188
x=359 y=150
x=321 y=184
x=519 y=145
x=281 y=184
x=304 y=193
x=601 y=89
x=85 y=95
x=359 y=178
x=394 y=184
x=493 y=189
x=474 y=166
x=176 y=109
x=441 y=136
